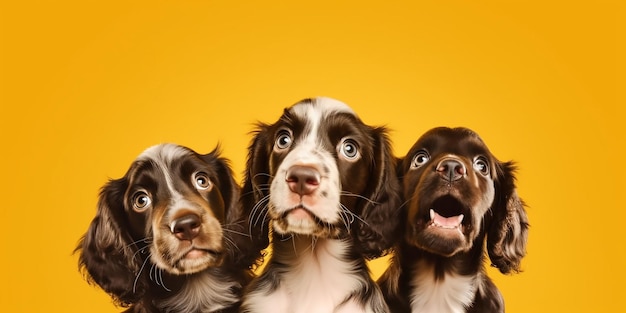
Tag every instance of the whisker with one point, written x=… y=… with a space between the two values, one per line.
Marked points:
x=354 y=216
x=139 y=274
x=259 y=206
x=233 y=246
x=293 y=241
x=255 y=214
x=142 y=250
x=313 y=242
x=345 y=193
x=152 y=268
x=162 y=283
x=236 y=232
x=344 y=219
x=287 y=238
x=144 y=240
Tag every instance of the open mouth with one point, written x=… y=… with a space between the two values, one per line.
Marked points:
x=447 y=213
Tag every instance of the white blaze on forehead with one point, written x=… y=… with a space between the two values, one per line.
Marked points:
x=317 y=110
x=322 y=105
x=162 y=156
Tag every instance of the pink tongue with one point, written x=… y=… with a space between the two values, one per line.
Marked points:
x=451 y=222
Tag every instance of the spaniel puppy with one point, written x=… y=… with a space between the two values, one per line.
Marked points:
x=169 y=236
x=457 y=194
x=325 y=183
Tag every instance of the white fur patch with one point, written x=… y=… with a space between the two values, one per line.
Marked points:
x=453 y=293
x=204 y=292
x=318 y=281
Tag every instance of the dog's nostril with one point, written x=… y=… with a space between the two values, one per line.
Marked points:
x=451 y=169
x=187 y=227
x=303 y=180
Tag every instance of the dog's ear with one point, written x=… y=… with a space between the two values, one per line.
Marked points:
x=378 y=228
x=255 y=190
x=228 y=187
x=508 y=232
x=108 y=256
x=243 y=254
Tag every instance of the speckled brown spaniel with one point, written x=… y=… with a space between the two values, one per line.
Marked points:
x=170 y=235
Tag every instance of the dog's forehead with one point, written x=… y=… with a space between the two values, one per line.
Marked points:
x=319 y=108
x=458 y=140
x=164 y=154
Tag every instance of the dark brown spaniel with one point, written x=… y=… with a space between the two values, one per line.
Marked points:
x=457 y=194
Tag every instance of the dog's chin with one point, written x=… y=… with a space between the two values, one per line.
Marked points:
x=192 y=261
x=301 y=221
x=444 y=242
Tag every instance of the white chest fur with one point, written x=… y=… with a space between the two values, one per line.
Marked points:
x=319 y=280
x=207 y=291
x=453 y=293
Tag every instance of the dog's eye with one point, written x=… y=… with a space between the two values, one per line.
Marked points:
x=141 y=201
x=349 y=149
x=283 y=140
x=420 y=159
x=202 y=181
x=481 y=166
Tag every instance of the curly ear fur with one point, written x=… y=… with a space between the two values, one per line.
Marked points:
x=256 y=187
x=107 y=253
x=508 y=232
x=379 y=229
x=236 y=224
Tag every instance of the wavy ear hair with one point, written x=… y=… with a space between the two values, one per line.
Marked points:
x=235 y=224
x=256 y=187
x=508 y=232
x=378 y=228
x=108 y=256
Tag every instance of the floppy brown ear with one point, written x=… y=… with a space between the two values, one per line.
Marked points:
x=378 y=230
x=255 y=190
x=508 y=232
x=108 y=256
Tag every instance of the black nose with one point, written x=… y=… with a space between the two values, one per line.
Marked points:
x=451 y=170
x=186 y=227
x=303 y=180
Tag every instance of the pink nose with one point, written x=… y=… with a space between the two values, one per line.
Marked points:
x=451 y=170
x=303 y=180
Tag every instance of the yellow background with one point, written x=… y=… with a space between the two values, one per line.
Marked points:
x=87 y=85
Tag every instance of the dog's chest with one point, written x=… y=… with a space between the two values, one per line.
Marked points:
x=318 y=282
x=452 y=293
x=208 y=291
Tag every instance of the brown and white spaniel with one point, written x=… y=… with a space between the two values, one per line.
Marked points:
x=457 y=194
x=325 y=183
x=170 y=236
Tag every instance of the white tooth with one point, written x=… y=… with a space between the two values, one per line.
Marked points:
x=432 y=214
x=460 y=218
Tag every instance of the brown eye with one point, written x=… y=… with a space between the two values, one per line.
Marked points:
x=202 y=181
x=141 y=201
